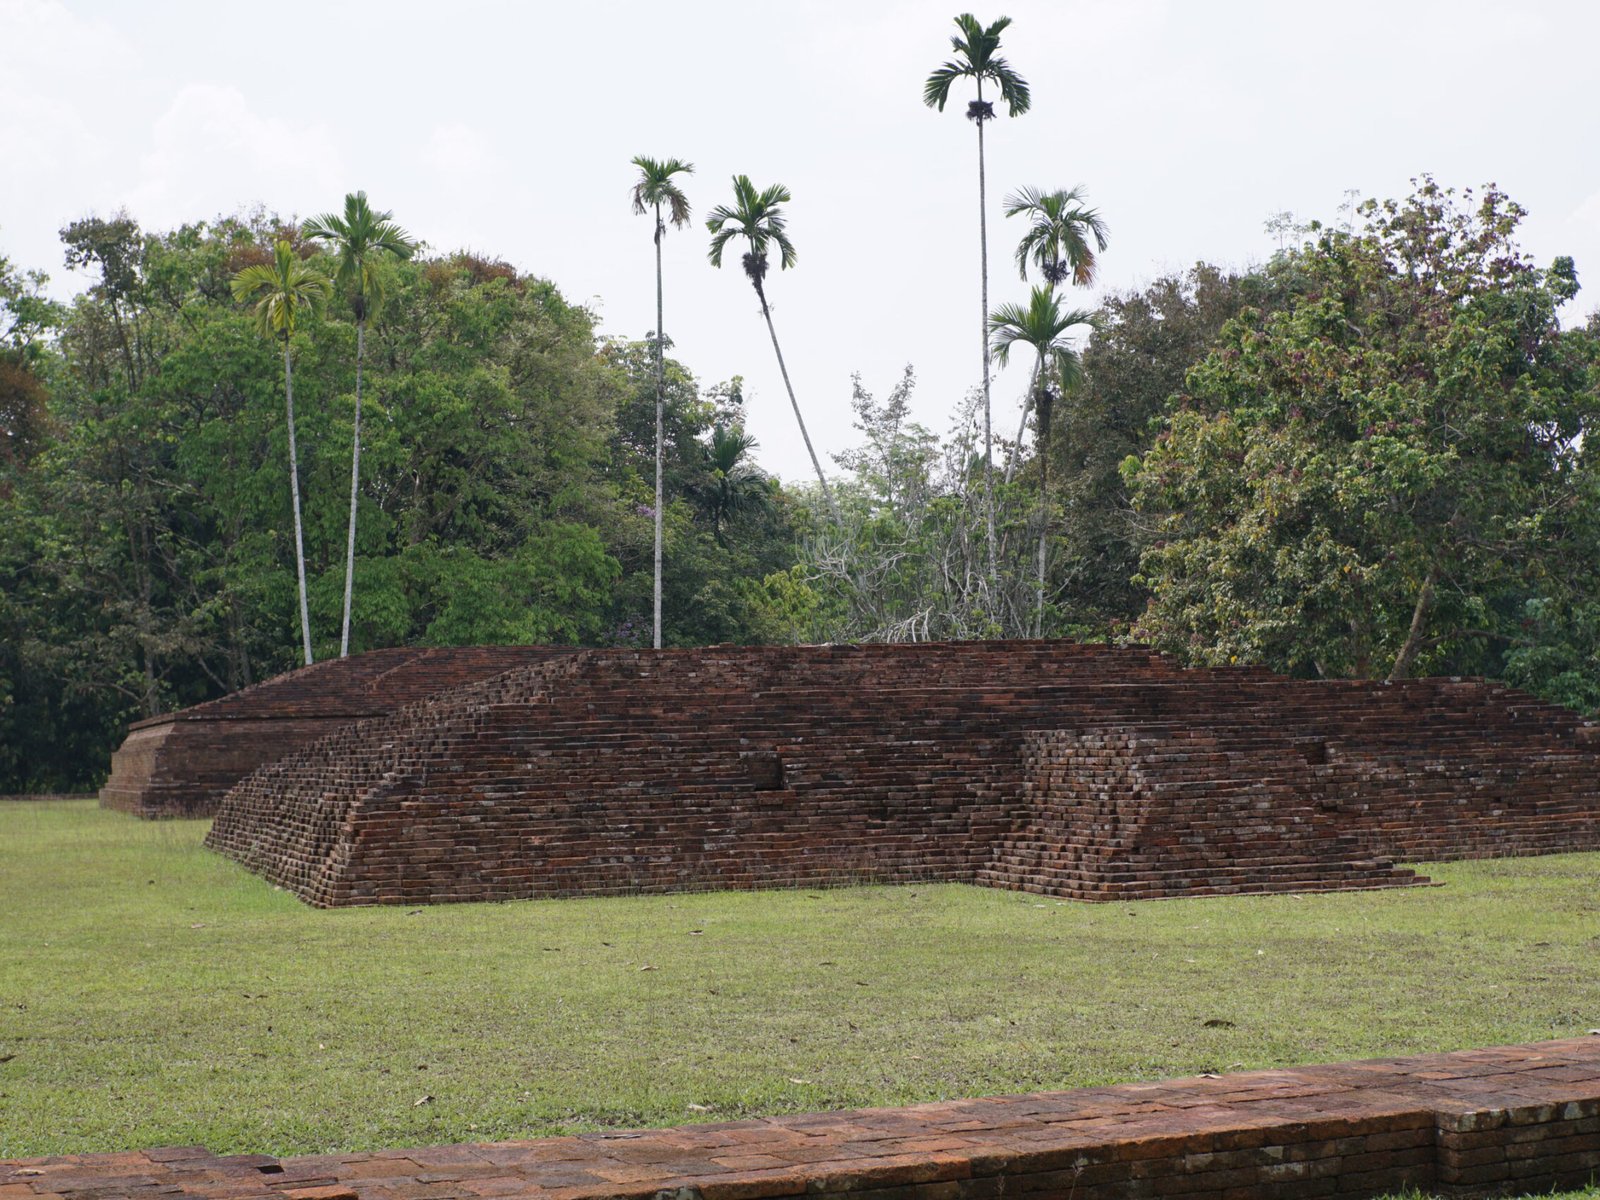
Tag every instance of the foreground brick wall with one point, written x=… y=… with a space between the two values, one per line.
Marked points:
x=1084 y=771
x=1509 y=1118
x=182 y=763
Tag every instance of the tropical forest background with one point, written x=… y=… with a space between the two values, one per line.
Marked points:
x=1366 y=456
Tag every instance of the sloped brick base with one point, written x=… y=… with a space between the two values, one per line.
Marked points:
x=1510 y=1118
x=181 y=764
x=1091 y=772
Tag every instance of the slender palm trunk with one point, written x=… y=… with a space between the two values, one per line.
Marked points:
x=355 y=482
x=827 y=492
x=294 y=492
x=1044 y=505
x=1419 y=622
x=988 y=437
x=1022 y=426
x=661 y=388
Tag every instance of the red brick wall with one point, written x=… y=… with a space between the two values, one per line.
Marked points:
x=181 y=764
x=1083 y=771
x=1508 y=1119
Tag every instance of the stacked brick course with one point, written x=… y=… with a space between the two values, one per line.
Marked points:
x=181 y=764
x=1084 y=771
x=1478 y=1122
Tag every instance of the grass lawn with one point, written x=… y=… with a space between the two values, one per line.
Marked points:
x=154 y=993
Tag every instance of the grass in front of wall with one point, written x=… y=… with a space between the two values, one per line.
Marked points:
x=154 y=993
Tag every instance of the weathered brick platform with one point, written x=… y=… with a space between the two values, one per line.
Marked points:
x=181 y=764
x=1090 y=772
x=1510 y=1118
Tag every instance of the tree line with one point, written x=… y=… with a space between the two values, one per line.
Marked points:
x=148 y=540
x=1367 y=457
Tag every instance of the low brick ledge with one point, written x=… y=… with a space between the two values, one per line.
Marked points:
x=1506 y=1118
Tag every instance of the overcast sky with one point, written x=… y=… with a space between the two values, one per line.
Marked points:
x=508 y=129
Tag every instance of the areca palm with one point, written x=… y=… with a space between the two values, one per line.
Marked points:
x=977 y=58
x=1063 y=234
x=653 y=189
x=362 y=239
x=1062 y=240
x=737 y=484
x=756 y=217
x=282 y=290
x=1042 y=326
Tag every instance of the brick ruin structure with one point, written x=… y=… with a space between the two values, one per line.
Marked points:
x=181 y=764
x=1088 y=772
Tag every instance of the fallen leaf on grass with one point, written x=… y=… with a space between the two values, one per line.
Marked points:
x=801 y=1082
x=198 y=925
x=647 y=967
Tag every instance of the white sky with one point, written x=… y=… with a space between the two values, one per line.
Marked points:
x=508 y=128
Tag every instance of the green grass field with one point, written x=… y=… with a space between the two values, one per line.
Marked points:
x=154 y=993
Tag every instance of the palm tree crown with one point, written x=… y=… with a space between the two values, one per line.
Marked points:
x=281 y=290
x=737 y=485
x=1060 y=232
x=1040 y=325
x=655 y=189
x=757 y=218
x=363 y=239
x=976 y=59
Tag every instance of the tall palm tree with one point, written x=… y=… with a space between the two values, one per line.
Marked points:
x=756 y=217
x=1043 y=327
x=1060 y=230
x=1062 y=240
x=282 y=290
x=653 y=189
x=976 y=58
x=737 y=484
x=363 y=239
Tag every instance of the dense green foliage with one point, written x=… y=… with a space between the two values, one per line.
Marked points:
x=1389 y=474
x=1372 y=456
x=146 y=537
